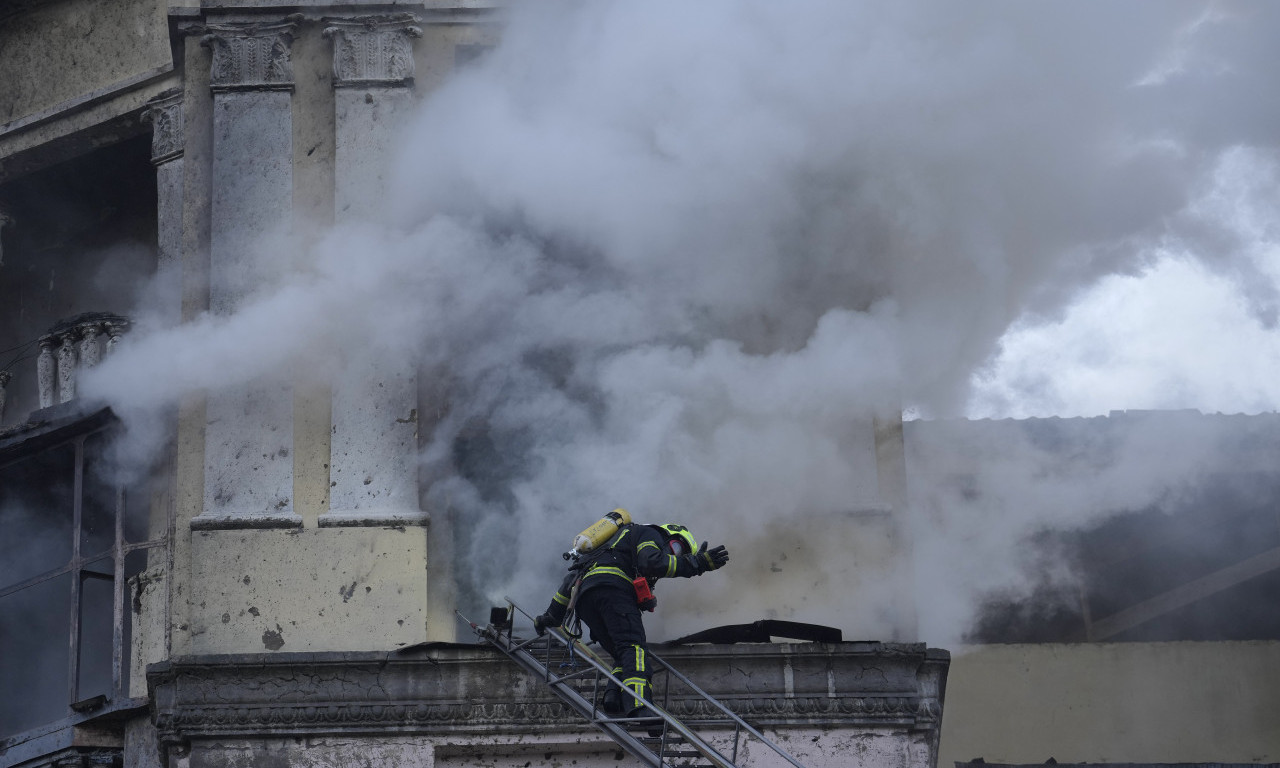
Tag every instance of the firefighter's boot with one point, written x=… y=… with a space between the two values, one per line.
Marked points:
x=612 y=701
x=643 y=716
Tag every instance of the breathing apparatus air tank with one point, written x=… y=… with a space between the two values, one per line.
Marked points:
x=599 y=533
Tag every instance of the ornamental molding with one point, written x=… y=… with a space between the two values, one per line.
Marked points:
x=464 y=689
x=373 y=50
x=80 y=757
x=250 y=56
x=166 y=118
x=337 y=717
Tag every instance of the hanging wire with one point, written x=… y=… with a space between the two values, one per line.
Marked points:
x=23 y=354
x=20 y=346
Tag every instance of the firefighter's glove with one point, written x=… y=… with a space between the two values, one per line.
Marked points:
x=542 y=622
x=709 y=560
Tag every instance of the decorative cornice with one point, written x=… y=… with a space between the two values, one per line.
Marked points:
x=336 y=716
x=250 y=55
x=165 y=115
x=470 y=689
x=80 y=757
x=373 y=50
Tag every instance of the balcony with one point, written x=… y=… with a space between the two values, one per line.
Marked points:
x=69 y=348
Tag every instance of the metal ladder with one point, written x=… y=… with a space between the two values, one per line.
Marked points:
x=578 y=676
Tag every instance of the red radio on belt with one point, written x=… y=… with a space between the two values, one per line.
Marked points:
x=644 y=595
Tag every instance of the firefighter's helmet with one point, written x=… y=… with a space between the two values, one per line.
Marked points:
x=679 y=540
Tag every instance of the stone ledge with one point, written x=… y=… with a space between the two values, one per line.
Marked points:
x=373 y=519
x=454 y=688
x=245 y=521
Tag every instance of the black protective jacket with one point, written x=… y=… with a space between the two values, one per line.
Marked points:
x=634 y=551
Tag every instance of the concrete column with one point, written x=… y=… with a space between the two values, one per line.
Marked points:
x=67 y=360
x=46 y=366
x=891 y=474
x=249 y=430
x=372 y=78
x=167 y=144
x=90 y=347
x=373 y=472
x=114 y=328
x=153 y=588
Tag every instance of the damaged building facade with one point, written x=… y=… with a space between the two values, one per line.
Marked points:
x=273 y=589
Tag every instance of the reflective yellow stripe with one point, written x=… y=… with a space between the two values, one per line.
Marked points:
x=639 y=658
x=671 y=565
x=561 y=599
x=644 y=544
x=609 y=569
x=619 y=538
x=637 y=686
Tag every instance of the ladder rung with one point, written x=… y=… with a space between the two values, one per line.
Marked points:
x=577 y=674
x=681 y=753
x=572 y=677
x=625 y=721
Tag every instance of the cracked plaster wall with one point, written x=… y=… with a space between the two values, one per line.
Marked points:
x=297 y=578
x=146 y=600
x=815 y=748
x=337 y=589
x=300 y=593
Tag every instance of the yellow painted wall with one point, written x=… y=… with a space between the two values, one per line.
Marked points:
x=1114 y=702
x=326 y=589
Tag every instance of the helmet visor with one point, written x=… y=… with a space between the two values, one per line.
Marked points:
x=679 y=540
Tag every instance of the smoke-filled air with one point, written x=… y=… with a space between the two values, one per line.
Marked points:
x=677 y=256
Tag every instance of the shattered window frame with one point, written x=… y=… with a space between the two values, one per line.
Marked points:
x=85 y=702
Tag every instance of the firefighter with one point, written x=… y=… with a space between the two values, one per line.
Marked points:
x=608 y=587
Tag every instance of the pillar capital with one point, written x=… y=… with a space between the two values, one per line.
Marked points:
x=253 y=56
x=373 y=50
x=165 y=115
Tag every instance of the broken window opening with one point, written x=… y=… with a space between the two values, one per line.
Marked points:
x=1201 y=566
x=76 y=537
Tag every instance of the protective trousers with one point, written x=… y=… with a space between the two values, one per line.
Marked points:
x=614 y=619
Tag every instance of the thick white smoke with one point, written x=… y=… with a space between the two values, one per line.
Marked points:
x=674 y=256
